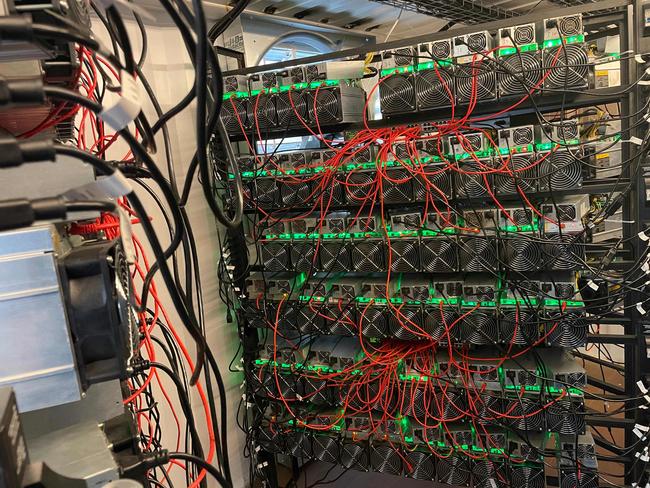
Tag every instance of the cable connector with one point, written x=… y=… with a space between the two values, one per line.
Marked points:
x=16 y=28
x=14 y=152
x=138 y=367
x=23 y=92
x=136 y=466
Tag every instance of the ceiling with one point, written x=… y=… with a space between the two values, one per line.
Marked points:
x=374 y=18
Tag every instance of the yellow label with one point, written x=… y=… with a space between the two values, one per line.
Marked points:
x=602 y=156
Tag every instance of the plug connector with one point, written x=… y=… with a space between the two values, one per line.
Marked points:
x=14 y=152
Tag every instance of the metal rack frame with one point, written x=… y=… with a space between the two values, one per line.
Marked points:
x=628 y=17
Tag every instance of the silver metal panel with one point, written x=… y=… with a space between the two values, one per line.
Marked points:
x=35 y=345
x=78 y=452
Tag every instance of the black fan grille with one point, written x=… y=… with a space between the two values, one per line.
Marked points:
x=527 y=477
x=299 y=444
x=570 y=331
x=295 y=193
x=477 y=254
x=385 y=459
x=405 y=255
x=334 y=256
x=569 y=26
x=368 y=256
x=561 y=170
x=484 y=88
x=403 y=56
x=522 y=136
x=439 y=255
x=343 y=321
x=310 y=320
x=468 y=183
x=326 y=449
x=479 y=328
x=328 y=106
x=297 y=74
x=437 y=322
x=434 y=88
x=405 y=325
x=271 y=440
x=522 y=254
x=303 y=256
x=275 y=256
x=334 y=194
x=397 y=94
x=422 y=466
x=360 y=185
x=488 y=474
x=373 y=322
x=523 y=326
x=398 y=186
x=569 y=70
x=266 y=192
x=316 y=391
x=520 y=73
x=232 y=116
x=355 y=456
x=263 y=108
x=289 y=115
x=526 y=414
x=432 y=184
x=523 y=175
x=453 y=470
x=564 y=252
x=565 y=417
x=586 y=479
x=476 y=43
x=523 y=34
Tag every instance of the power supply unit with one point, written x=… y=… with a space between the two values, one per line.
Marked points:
x=334 y=70
x=235 y=83
x=483 y=221
x=292 y=76
x=560 y=169
x=404 y=56
x=436 y=50
x=439 y=254
x=566 y=212
x=339 y=104
x=263 y=81
x=364 y=224
x=305 y=225
x=520 y=174
x=561 y=27
x=466 y=46
x=478 y=254
x=517 y=36
x=397 y=94
x=463 y=144
x=516 y=139
x=406 y=220
x=414 y=289
x=558 y=286
x=434 y=86
x=273 y=228
x=474 y=178
x=335 y=223
x=562 y=132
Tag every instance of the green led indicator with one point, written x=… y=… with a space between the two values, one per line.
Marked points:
x=396 y=70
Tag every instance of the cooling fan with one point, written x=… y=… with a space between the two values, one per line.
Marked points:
x=522 y=253
x=434 y=87
x=271 y=439
x=326 y=448
x=288 y=386
x=397 y=186
x=368 y=255
x=520 y=172
x=405 y=255
x=261 y=111
x=316 y=391
x=257 y=316
x=421 y=465
x=354 y=455
x=397 y=94
x=439 y=254
x=489 y=474
x=519 y=327
x=266 y=192
x=327 y=102
x=433 y=182
x=489 y=408
x=477 y=81
x=473 y=179
x=297 y=75
x=334 y=193
x=436 y=323
x=405 y=325
x=520 y=73
x=453 y=470
x=290 y=115
x=440 y=50
x=373 y=322
x=585 y=478
x=564 y=252
x=566 y=417
x=525 y=414
x=360 y=186
x=527 y=476
x=275 y=256
x=452 y=406
x=342 y=320
x=309 y=319
x=478 y=254
x=479 y=328
x=98 y=292
x=334 y=256
x=299 y=444
x=385 y=459
x=303 y=256
x=295 y=192
x=234 y=114
x=567 y=67
x=568 y=330
x=559 y=170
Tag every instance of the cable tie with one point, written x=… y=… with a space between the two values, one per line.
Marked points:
x=237 y=289
x=258 y=448
x=635 y=140
x=645 y=458
x=646 y=117
x=249 y=405
x=493 y=483
x=642 y=387
x=230 y=267
x=643 y=82
x=262 y=465
x=647 y=70
x=644 y=428
x=645 y=267
x=647 y=485
x=128 y=105
x=299 y=397
x=644 y=407
x=593 y=285
x=639 y=59
x=643 y=236
x=647 y=398
x=241 y=360
x=242 y=386
x=126 y=233
x=243 y=396
x=641 y=310
x=112 y=186
x=637 y=433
